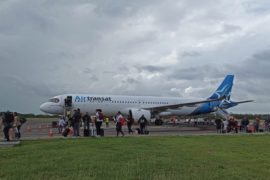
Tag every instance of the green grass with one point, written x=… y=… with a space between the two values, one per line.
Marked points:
x=187 y=157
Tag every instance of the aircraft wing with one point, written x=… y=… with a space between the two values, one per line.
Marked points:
x=174 y=106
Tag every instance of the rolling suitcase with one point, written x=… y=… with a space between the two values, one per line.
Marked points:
x=86 y=132
x=66 y=131
x=101 y=132
x=138 y=131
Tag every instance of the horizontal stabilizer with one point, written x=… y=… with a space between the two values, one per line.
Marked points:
x=247 y=101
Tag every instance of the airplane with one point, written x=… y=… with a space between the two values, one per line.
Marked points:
x=149 y=106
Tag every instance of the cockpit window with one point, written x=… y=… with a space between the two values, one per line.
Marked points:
x=55 y=100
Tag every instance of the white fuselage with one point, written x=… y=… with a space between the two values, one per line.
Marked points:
x=111 y=104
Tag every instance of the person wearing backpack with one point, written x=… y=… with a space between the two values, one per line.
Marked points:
x=119 y=123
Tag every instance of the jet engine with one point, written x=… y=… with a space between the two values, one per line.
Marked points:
x=137 y=113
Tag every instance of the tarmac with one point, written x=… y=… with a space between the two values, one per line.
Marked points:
x=35 y=129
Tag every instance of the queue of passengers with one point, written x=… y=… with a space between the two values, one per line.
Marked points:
x=232 y=125
x=11 y=123
x=93 y=126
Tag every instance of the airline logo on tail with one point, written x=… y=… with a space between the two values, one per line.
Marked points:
x=224 y=90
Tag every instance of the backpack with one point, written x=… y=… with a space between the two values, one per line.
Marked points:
x=22 y=120
x=9 y=118
x=100 y=116
x=122 y=121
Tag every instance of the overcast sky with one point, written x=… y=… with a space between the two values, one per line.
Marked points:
x=161 y=47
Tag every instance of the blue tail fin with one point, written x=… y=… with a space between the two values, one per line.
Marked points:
x=224 y=90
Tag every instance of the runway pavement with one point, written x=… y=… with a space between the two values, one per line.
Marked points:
x=42 y=129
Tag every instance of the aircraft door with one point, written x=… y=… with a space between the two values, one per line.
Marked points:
x=68 y=102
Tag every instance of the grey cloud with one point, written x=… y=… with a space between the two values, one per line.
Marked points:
x=263 y=56
x=152 y=69
x=119 y=8
x=256 y=67
x=261 y=8
x=27 y=87
x=190 y=54
x=87 y=70
x=198 y=72
x=46 y=47
x=230 y=28
x=129 y=80
x=90 y=74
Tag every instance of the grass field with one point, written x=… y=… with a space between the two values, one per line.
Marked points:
x=186 y=157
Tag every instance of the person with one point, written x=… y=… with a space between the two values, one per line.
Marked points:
x=8 y=120
x=107 y=122
x=142 y=121
x=119 y=122
x=244 y=124
x=86 y=121
x=99 y=120
x=76 y=119
x=232 y=125
x=195 y=122
x=267 y=124
x=93 y=130
x=218 y=125
x=130 y=121
x=17 y=125
x=61 y=124
x=257 y=124
x=225 y=125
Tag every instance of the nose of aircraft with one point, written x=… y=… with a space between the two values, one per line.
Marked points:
x=51 y=108
x=44 y=107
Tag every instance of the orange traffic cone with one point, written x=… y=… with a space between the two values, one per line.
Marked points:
x=50 y=133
